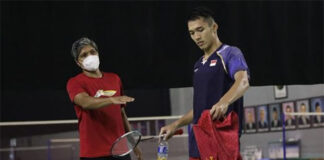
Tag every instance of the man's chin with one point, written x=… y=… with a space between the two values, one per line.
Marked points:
x=202 y=47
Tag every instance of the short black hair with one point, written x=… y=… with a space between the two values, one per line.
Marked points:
x=288 y=106
x=317 y=104
x=274 y=109
x=202 y=12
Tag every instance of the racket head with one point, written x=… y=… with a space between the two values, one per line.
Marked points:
x=125 y=144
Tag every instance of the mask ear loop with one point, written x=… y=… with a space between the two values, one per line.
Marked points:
x=78 y=63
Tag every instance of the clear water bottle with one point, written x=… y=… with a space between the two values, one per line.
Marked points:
x=163 y=150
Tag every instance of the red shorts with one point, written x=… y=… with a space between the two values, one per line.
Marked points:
x=192 y=158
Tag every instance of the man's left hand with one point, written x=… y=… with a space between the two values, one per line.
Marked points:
x=219 y=110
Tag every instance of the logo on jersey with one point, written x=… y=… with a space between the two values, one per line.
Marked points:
x=108 y=93
x=210 y=158
x=213 y=63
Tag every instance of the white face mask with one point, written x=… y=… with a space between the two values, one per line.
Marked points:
x=91 y=63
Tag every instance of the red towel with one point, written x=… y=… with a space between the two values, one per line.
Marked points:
x=218 y=140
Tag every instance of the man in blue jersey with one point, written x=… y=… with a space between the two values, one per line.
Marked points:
x=220 y=77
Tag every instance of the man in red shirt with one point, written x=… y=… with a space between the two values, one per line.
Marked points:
x=98 y=103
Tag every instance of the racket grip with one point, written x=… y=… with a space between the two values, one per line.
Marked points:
x=178 y=132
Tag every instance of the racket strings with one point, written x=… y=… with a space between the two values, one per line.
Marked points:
x=126 y=144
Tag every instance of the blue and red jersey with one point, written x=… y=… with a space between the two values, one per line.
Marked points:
x=211 y=80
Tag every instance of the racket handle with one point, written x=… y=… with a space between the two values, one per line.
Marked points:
x=178 y=132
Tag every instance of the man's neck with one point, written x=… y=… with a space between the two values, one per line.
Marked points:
x=94 y=74
x=213 y=48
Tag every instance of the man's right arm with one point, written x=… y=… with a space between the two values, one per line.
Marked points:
x=87 y=102
x=171 y=128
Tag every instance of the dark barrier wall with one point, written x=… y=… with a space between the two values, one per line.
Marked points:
x=148 y=45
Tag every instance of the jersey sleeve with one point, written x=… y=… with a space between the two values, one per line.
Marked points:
x=73 y=88
x=236 y=62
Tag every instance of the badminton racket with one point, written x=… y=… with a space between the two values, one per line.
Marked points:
x=128 y=141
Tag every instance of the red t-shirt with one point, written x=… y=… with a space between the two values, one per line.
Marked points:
x=98 y=128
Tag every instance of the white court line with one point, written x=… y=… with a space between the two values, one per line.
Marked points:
x=304 y=114
x=24 y=123
x=154 y=118
x=64 y=140
x=33 y=148
x=67 y=140
x=49 y=122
